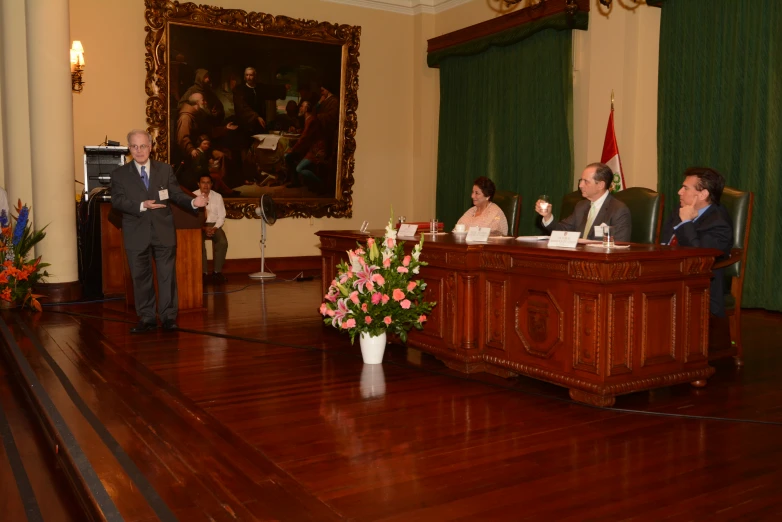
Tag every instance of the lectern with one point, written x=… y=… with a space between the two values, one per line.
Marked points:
x=116 y=272
x=190 y=286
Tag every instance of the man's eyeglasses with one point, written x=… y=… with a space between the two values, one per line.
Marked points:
x=138 y=147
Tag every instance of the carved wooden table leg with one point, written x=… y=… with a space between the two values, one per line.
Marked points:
x=604 y=401
x=699 y=383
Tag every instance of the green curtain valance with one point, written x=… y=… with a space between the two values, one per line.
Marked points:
x=557 y=22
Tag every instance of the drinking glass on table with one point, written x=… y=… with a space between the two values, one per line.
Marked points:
x=433 y=226
x=608 y=236
x=545 y=202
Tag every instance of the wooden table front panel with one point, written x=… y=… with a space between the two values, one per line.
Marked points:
x=599 y=323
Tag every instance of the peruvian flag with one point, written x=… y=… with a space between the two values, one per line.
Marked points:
x=611 y=154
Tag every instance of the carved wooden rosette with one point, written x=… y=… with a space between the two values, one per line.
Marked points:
x=160 y=13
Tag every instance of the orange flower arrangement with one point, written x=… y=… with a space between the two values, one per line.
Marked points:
x=17 y=273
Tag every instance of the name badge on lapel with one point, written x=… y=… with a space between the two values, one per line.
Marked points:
x=162 y=194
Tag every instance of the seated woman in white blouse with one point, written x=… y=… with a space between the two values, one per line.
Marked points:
x=484 y=213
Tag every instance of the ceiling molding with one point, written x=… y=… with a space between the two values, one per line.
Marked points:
x=406 y=7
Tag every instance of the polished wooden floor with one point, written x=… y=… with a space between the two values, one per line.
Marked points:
x=254 y=411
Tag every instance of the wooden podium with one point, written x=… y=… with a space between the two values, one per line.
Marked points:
x=188 y=259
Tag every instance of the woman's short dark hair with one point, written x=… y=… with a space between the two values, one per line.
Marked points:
x=486 y=185
x=708 y=179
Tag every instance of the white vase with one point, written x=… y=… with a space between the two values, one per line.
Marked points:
x=372 y=347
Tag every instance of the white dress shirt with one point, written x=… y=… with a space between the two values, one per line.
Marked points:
x=215 y=209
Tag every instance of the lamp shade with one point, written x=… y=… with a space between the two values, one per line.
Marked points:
x=77 y=53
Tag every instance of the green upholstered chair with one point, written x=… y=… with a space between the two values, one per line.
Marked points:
x=646 y=213
x=569 y=202
x=510 y=203
x=739 y=206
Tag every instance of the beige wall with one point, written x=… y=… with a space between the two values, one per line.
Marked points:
x=618 y=52
x=396 y=156
x=114 y=101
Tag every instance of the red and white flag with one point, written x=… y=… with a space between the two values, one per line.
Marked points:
x=611 y=154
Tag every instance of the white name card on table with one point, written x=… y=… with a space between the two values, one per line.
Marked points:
x=562 y=239
x=407 y=230
x=478 y=234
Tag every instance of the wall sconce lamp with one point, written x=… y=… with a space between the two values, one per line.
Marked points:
x=77 y=66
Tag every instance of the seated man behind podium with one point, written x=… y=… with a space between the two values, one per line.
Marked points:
x=600 y=207
x=485 y=213
x=213 y=229
x=700 y=221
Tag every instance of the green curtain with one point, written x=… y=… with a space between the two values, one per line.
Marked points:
x=506 y=113
x=720 y=106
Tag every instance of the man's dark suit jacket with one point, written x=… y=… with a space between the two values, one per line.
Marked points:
x=613 y=213
x=712 y=230
x=127 y=194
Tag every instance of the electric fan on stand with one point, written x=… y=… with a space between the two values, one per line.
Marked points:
x=268 y=214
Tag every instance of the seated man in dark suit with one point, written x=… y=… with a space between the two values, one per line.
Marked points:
x=700 y=221
x=600 y=207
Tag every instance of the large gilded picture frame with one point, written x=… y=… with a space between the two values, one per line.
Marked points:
x=264 y=104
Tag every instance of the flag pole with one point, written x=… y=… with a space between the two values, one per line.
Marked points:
x=612 y=100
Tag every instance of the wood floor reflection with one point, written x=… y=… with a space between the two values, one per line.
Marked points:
x=255 y=411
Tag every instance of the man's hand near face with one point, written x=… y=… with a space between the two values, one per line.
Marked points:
x=688 y=212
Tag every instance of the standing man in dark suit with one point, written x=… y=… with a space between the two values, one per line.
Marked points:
x=600 y=207
x=143 y=191
x=700 y=221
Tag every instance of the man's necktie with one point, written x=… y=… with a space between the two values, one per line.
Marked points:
x=144 y=177
x=590 y=220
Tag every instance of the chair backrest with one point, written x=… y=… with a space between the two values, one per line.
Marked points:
x=646 y=213
x=739 y=206
x=569 y=202
x=510 y=203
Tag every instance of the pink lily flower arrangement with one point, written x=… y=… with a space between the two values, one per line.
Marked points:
x=377 y=289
